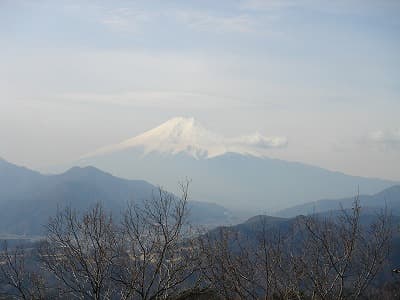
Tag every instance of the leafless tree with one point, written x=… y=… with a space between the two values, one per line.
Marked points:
x=340 y=256
x=228 y=264
x=159 y=260
x=239 y=267
x=80 y=251
x=22 y=281
x=151 y=253
x=334 y=257
x=278 y=276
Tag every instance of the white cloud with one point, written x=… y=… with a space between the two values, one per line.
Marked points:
x=259 y=141
x=126 y=19
x=266 y=4
x=385 y=138
x=132 y=19
x=387 y=8
x=206 y=21
x=154 y=99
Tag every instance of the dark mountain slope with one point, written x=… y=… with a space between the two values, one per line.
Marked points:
x=28 y=198
x=238 y=181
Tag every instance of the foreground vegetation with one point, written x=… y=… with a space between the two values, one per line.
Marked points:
x=151 y=252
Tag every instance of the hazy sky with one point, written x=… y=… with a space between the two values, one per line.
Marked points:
x=78 y=75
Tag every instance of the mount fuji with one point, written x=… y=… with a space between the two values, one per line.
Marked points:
x=234 y=172
x=186 y=135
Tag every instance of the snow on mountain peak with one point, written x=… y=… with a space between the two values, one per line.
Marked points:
x=186 y=135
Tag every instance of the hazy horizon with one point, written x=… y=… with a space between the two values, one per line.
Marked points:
x=77 y=76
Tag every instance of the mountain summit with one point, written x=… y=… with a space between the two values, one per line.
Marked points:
x=222 y=170
x=186 y=135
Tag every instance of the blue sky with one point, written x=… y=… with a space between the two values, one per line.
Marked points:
x=77 y=75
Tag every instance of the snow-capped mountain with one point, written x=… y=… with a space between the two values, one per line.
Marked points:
x=234 y=172
x=186 y=135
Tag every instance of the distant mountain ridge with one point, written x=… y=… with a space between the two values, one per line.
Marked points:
x=236 y=181
x=233 y=172
x=389 y=198
x=28 y=198
x=251 y=231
